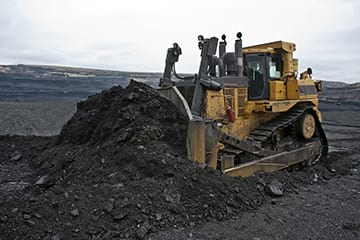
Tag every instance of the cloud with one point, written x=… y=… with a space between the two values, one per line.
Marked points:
x=135 y=35
x=335 y=56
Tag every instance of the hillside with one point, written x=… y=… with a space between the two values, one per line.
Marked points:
x=44 y=83
x=39 y=82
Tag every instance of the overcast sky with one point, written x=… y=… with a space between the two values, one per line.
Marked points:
x=134 y=35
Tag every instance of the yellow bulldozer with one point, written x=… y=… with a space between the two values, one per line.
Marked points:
x=248 y=110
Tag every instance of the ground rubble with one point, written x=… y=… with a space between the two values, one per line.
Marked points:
x=118 y=170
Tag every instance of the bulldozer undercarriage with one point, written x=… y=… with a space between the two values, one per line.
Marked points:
x=295 y=138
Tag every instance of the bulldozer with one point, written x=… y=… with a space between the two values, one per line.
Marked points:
x=248 y=111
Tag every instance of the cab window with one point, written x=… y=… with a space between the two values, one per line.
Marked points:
x=275 y=67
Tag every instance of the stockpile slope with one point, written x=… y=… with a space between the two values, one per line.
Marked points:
x=118 y=169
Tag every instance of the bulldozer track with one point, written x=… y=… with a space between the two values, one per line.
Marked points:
x=254 y=143
x=265 y=131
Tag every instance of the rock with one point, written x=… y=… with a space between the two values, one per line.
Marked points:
x=16 y=156
x=143 y=230
x=355 y=164
x=326 y=176
x=4 y=219
x=26 y=216
x=173 y=208
x=330 y=169
x=170 y=173
x=27 y=210
x=118 y=185
x=56 y=237
x=43 y=181
x=119 y=214
x=158 y=217
x=109 y=206
x=316 y=177
x=94 y=218
x=261 y=181
x=123 y=137
x=30 y=222
x=37 y=215
x=229 y=210
x=111 y=175
x=131 y=96
x=112 y=234
x=57 y=189
x=202 y=165
x=194 y=179
x=192 y=224
x=171 y=197
x=274 y=189
x=75 y=212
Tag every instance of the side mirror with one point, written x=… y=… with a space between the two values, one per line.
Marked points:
x=318 y=86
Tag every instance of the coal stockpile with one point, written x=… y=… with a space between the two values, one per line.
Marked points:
x=118 y=169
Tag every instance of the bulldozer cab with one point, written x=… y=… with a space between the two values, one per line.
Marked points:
x=255 y=70
x=260 y=69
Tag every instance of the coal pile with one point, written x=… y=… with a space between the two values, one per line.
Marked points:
x=118 y=169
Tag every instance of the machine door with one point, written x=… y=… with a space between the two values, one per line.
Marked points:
x=256 y=71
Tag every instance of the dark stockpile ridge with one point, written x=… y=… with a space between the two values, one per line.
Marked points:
x=123 y=113
x=119 y=170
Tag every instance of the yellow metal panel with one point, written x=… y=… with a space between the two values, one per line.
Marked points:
x=241 y=100
x=277 y=90
x=246 y=123
x=296 y=64
x=281 y=106
x=306 y=82
x=212 y=163
x=214 y=105
x=311 y=96
x=259 y=50
x=288 y=62
x=227 y=162
x=285 y=46
x=196 y=141
x=307 y=89
x=292 y=88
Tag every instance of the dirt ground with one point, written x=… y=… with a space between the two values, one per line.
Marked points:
x=35 y=118
x=118 y=170
x=323 y=203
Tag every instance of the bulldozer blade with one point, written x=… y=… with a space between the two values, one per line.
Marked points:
x=275 y=162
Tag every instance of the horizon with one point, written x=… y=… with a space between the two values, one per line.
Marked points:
x=137 y=72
